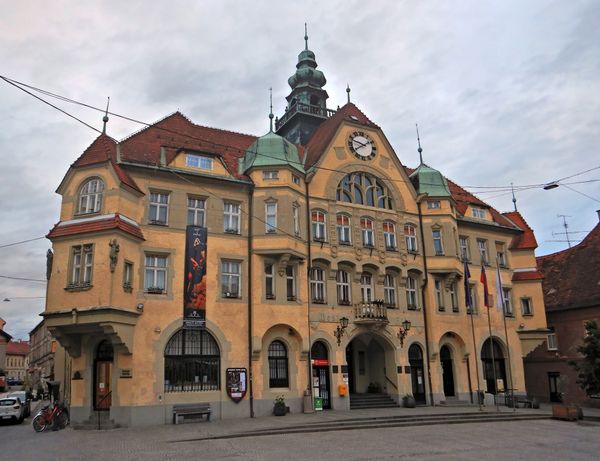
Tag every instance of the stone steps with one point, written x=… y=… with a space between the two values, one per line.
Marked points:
x=100 y=420
x=366 y=401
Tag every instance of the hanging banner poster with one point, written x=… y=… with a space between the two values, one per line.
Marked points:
x=194 y=297
x=236 y=383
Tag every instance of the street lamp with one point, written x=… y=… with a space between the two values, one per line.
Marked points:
x=402 y=332
x=339 y=330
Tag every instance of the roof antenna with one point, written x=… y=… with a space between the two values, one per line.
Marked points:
x=105 y=118
x=271 y=112
x=305 y=37
x=419 y=150
x=514 y=199
x=348 y=91
x=566 y=226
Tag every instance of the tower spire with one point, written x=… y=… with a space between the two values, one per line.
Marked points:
x=271 y=110
x=105 y=118
x=514 y=199
x=305 y=37
x=348 y=91
x=419 y=150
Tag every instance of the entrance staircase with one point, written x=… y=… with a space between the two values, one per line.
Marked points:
x=366 y=401
x=455 y=402
x=99 y=420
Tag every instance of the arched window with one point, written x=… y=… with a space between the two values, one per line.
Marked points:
x=192 y=362
x=90 y=196
x=364 y=189
x=318 y=351
x=278 y=365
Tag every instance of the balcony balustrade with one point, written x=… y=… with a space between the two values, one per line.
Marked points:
x=371 y=313
x=303 y=108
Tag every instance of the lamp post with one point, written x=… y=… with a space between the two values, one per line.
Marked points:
x=403 y=331
x=339 y=330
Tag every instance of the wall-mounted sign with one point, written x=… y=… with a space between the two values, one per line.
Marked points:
x=194 y=302
x=236 y=383
x=320 y=363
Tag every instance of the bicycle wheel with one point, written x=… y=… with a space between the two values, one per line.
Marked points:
x=62 y=421
x=39 y=423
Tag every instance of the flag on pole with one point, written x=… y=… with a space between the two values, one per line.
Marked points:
x=468 y=300
x=486 y=293
x=499 y=292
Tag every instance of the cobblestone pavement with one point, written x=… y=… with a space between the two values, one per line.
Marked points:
x=538 y=440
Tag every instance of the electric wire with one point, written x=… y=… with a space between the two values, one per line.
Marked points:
x=22 y=279
x=21 y=242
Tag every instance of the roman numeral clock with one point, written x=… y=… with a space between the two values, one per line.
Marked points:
x=361 y=145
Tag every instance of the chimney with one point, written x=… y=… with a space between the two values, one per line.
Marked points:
x=598 y=211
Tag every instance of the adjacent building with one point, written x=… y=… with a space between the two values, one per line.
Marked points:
x=4 y=340
x=17 y=363
x=572 y=297
x=42 y=355
x=322 y=263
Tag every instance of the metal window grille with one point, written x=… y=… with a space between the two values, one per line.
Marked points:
x=278 y=365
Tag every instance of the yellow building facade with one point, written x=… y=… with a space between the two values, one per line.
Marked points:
x=331 y=269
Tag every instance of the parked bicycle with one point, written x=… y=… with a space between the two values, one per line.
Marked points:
x=55 y=416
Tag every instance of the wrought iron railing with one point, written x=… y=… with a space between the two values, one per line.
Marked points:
x=305 y=109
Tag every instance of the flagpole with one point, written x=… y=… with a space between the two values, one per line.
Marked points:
x=493 y=361
x=469 y=304
x=501 y=294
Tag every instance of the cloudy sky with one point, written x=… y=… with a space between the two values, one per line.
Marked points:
x=503 y=91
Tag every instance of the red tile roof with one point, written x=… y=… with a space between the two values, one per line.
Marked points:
x=526 y=240
x=526 y=276
x=571 y=277
x=324 y=133
x=177 y=132
x=17 y=348
x=99 y=225
x=104 y=149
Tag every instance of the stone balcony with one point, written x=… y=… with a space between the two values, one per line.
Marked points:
x=371 y=313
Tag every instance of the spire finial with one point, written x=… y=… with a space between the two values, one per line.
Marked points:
x=105 y=118
x=419 y=150
x=514 y=199
x=271 y=111
x=348 y=91
x=305 y=37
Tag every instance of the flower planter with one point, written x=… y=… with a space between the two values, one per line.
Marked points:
x=279 y=409
x=565 y=412
x=409 y=401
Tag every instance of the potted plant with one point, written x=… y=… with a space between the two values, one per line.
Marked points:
x=279 y=408
x=409 y=401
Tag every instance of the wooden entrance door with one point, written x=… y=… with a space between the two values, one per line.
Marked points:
x=553 y=378
x=447 y=371
x=415 y=358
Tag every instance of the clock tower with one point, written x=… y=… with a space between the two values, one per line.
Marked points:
x=306 y=108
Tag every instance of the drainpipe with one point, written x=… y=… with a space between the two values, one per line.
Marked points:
x=424 y=301
x=308 y=302
x=250 y=377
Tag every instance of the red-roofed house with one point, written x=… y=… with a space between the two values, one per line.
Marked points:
x=571 y=285
x=261 y=246
x=16 y=362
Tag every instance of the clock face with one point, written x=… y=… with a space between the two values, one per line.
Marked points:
x=361 y=145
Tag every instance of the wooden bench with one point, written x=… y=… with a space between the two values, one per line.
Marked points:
x=190 y=410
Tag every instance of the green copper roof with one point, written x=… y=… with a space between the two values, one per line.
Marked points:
x=271 y=150
x=430 y=181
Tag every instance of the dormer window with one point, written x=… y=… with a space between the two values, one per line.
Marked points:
x=479 y=213
x=199 y=161
x=434 y=204
x=271 y=174
x=90 y=196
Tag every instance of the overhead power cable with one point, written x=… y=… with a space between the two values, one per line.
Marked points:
x=22 y=278
x=21 y=242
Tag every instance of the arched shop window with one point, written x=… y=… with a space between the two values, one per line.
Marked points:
x=192 y=362
x=278 y=365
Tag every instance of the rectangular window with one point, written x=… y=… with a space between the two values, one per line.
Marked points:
x=196 y=212
x=410 y=234
x=463 y=243
x=199 y=161
x=318 y=225
x=317 y=285
x=366 y=288
x=81 y=265
x=296 y=219
x=269 y=281
x=478 y=213
x=231 y=273
x=437 y=242
x=159 y=208
x=439 y=295
x=155 y=274
x=343 y=287
x=272 y=174
x=508 y=308
x=500 y=254
x=552 y=342
x=389 y=235
x=454 y=297
x=526 y=308
x=231 y=217
x=389 y=290
x=368 y=235
x=483 y=251
x=434 y=204
x=411 y=293
x=271 y=217
x=290 y=282
x=343 y=229
x=295 y=179
x=127 y=275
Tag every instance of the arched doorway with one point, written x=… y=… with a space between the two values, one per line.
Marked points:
x=417 y=375
x=491 y=348
x=103 y=361
x=371 y=365
x=320 y=373
x=447 y=371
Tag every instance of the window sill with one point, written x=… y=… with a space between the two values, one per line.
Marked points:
x=412 y=252
x=344 y=303
x=270 y=297
x=439 y=253
x=413 y=308
x=441 y=309
x=292 y=298
x=345 y=243
x=271 y=231
x=391 y=249
x=155 y=291
x=318 y=301
x=455 y=310
x=391 y=306
x=127 y=288
x=318 y=240
x=232 y=231
x=72 y=287
x=158 y=223
x=86 y=214
x=231 y=296
x=527 y=315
